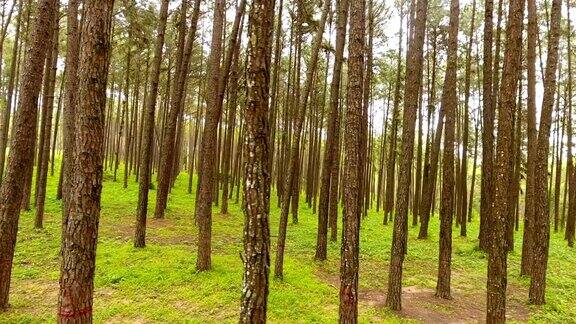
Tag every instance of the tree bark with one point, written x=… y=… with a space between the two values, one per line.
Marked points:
x=148 y=130
x=411 y=90
x=10 y=91
x=290 y=180
x=22 y=142
x=68 y=129
x=333 y=129
x=257 y=166
x=528 y=235
x=204 y=195
x=450 y=105
x=175 y=109
x=541 y=203
x=81 y=232
x=498 y=251
x=349 y=263
x=48 y=108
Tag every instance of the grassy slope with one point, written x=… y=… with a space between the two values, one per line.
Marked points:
x=159 y=283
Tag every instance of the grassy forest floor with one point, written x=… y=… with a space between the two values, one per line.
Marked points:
x=160 y=284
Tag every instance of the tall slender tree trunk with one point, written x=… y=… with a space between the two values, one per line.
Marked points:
x=487 y=191
x=176 y=106
x=68 y=129
x=450 y=105
x=411 y=90
x=541 y=220
x=349 y=263
x=498 y=250
x=528 y=235
x=231 y=59
x=208 y=149
x=81 y=232
x=148 y=130
x=294 y=159
x=10 y=91
x=463 y=207
x=22 y=142
x=333 y=129
x=570 y=175
x=257 y=167
x=48 y=105
x=391 y=167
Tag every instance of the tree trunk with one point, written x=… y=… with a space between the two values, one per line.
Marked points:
x=528 y=235
x=541 y=203
x=232 y=64
x=204 y=195
x=148 y=130
x=450 y=105
x=333 y=129
x=81 y=232
x=391 y=167
x=498 y=251
x=22 y=142
x=411 y=89
x=257 y=167
x=176 y=105
x=68 y=129
x=10 y=91
x=487 y=190
x=48 y=108
x=349 y=263
x=292 y=174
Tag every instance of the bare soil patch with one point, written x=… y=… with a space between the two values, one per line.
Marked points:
x=422 y=305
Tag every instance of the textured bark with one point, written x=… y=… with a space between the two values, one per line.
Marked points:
x=334 y=180
x=558 y=151
x=230 y=60
x=292 y=174
x=541 y=203
x=57 y=124
x=178 y=88
x=48 y=108
x=81 y=232
x=22 y=142
x=257 y=166
x=231 y=125
x=71 y=89
x=126 y=107
x=148 y=130
x=391 y=167
x=174 y=101
x=349 y=263
x=430 y=179
x=498 y=254
x=570 y=174
x=474 y=167
x=121 y=118
x=411 y=89
x=463 y=200
x=450 y=105
x=333 y=129
x=487 y=191
x=10 y=90
x=204 y=195
x=365 y=133
x=528 y=235
x=432 y=148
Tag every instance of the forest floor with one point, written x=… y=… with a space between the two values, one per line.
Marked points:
x=160 y=284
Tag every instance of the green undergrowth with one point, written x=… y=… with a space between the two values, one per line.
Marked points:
x=159 y=283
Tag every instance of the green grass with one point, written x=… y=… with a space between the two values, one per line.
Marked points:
x=160 y=284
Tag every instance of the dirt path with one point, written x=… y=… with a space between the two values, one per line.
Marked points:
x=421 y=305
